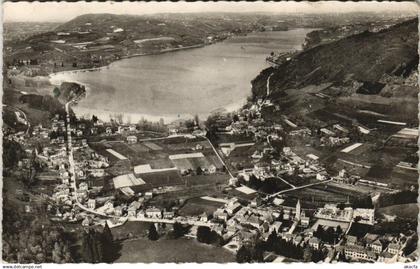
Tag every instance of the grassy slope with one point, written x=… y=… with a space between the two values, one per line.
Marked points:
x=180 y=250
x=365 y=57
x=403 y=211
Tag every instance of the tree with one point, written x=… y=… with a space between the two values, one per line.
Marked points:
x=317 y=255
x=107 y=234
x=189 y=124
x=204 y=234
x=153 y=235
x=235 y=118
x=179 y=230
x=363 y=202
x=108 y=244
x=357 y=219
x=92 y=247
x=329 y=235
x=12 y=153
x=307 y=254
x=338 y=232
x=97 y=246
x=271 y=240
x=196 y=120
x=56 y=92
x=87 y=252
x=53 y=135
x=199 y=171
x=94 y=119
x=243 y=255
x=258 y=252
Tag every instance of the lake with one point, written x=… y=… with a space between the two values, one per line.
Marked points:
x=183 y=83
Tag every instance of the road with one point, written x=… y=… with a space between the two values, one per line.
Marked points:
x=220 y=158
x=268 y=91
x=268 y=84
x=172 y=221
x=290 y=184
x=72 y=165
x=297 y=188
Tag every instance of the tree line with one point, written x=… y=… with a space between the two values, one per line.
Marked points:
x=99 y=246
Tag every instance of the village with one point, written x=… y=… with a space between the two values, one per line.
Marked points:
x=314 y=160
x=113 y=173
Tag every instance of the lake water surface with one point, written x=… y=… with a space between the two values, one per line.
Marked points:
x=182 y=83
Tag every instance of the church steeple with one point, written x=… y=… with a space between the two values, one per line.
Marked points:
x=298 y=210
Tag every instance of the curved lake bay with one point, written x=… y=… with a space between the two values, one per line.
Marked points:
x=182 y=83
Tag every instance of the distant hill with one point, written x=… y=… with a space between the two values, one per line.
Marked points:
x=114 y=29
x=363 y=57
x=94 y=40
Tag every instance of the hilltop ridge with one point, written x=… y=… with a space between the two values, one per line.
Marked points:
x=363 y=57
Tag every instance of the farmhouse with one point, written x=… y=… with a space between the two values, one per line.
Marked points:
x=153 y=212
x=314 y=243
x=131 y=139
x=327 y=132
x=91 y=203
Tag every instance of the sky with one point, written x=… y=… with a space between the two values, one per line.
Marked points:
x=64 y=11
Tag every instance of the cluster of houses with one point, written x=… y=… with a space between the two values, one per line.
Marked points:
x=246 y=224
x=135 y=209
x=305 y=168
x=374 y=247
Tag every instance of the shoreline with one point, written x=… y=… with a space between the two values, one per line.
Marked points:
x=93 y=69
x=135 y=116
x=165 y=51
x=129 y=116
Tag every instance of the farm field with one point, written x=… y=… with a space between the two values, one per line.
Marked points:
x=140 y=148
x=197 y=206
x=164 y=178
x=237 y=138
x=206 y=179
x=401 y=176
x=328 y=117
x=406 y=211
x=184 y=194
x=152 y=146
x=239 y=157
x=298 y=181
x=157 y=155
x=136 y=228
x=179 y=250
x=242 y=195
x=303 y=150
x=317 y=196
x=191 y=163
x=355 y=168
